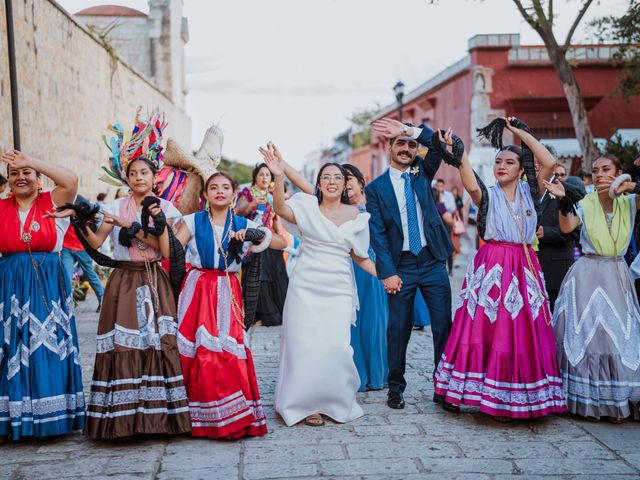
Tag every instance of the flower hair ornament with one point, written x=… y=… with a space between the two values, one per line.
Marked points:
x=144 y=142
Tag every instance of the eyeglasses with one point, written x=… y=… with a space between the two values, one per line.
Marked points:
x=328 y=178
x=561 y=175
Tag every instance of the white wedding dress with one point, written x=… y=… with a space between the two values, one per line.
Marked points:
x=317 y=373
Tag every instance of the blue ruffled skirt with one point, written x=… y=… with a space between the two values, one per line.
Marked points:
x=40 y=375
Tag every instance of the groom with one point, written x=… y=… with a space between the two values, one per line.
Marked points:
x=411 y=246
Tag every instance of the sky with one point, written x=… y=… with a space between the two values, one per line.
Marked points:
x=294 y=71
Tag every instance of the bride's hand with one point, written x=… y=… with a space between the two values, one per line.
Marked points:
x=273 y=159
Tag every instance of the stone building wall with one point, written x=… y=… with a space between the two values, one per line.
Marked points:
x=70 y=88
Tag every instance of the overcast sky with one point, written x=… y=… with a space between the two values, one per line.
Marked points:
x=293 y=71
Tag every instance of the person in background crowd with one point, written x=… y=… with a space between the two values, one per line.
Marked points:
x=587 y=180
x=3 y=186
x=446 y=196
x=447 y=220
x=459 y=201
x=120 y=193
x=556 y=249
x=256 y=203
x=100 y=199
x=72 y=252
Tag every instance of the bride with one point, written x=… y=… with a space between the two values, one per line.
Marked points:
x=317 y=375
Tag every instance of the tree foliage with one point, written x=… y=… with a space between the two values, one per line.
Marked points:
x=626 y=151
x=624 y=32
x=361 y=126
x=240 y=172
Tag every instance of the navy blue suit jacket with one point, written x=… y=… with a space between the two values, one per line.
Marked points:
x=385 y=225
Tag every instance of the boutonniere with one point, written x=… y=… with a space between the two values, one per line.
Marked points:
x=415 y=170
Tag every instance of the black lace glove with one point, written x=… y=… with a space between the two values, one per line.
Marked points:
x=455 y=157
x=159 y=220
x=252 y=235
x=84 y=214
x=573 y=195
x=127 y=234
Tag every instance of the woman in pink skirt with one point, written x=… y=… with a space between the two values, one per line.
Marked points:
x=501 y=353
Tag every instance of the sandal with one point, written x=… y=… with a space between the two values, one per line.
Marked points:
x=615 y=420
x=314 y=420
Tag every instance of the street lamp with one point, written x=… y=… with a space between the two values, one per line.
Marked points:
x=398 y=89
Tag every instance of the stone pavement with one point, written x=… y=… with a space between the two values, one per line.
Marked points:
x=422 y=441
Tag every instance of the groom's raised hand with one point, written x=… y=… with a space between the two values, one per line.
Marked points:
x=390 y=128
x=392 y=284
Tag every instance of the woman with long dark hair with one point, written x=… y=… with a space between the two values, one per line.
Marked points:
x=597 y=316
x=224 y=400
x=256 y=203
x=317 y=375
x=41 y=385
x=137 y=385
x=501 y=353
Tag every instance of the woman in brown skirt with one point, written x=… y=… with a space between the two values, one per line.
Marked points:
x=137 y=385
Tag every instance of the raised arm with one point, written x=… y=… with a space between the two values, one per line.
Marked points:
x=276 y=166
x=391 y=128
x=66 y=180
x=540 y=152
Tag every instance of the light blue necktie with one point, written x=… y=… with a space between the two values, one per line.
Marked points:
x=415 y=245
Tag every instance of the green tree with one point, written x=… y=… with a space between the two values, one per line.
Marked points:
x=626 y=151
x=240 y=172
x=361 y=126
x=624 y=32
x=540 y=16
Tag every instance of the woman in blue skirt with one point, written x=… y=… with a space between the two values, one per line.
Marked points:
x=40 y=374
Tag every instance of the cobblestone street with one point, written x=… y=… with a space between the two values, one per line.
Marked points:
x=421 y=441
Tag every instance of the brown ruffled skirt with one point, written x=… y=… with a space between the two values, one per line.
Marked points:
x=137 y=386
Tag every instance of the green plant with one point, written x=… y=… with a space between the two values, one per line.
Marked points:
x=626 y=151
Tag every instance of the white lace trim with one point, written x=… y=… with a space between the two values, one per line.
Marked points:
x=224 y=411
x=622 y=327
x=546 y=390
x=41 y=406
x=135 y=396
x=146 y=336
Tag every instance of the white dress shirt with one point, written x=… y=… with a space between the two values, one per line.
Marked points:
x=398 y=188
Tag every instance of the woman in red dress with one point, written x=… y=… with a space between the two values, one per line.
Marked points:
x=224 y=401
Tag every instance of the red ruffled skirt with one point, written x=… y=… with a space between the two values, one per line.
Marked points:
x=501 y=353
x=224 y=401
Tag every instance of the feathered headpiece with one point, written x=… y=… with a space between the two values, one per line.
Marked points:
x=144 y=142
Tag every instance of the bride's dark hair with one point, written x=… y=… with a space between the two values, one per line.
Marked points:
x=344 y=198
